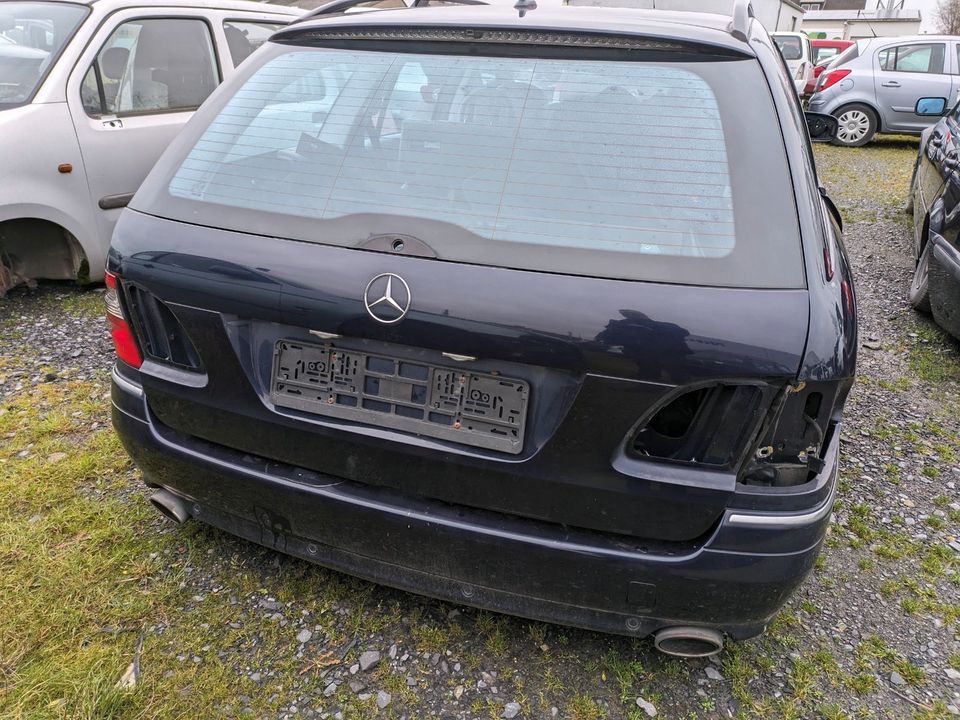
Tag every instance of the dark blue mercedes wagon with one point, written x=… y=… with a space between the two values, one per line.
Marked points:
x=543 y=312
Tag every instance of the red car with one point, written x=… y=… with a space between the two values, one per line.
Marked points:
x=823 y=52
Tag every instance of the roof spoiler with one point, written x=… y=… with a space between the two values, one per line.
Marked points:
x=340 y=6
x=742 y=15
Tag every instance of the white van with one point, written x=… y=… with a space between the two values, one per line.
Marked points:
x=91 y=93
x=798 y=53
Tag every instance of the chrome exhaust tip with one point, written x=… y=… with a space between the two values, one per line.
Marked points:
x=688 y=642
x=171 y=506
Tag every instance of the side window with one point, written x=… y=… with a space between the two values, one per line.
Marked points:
x=152 y=65
x=245 y=37
x=926 y=58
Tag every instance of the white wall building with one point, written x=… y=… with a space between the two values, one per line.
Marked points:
x=774 y=14
x=857 y=24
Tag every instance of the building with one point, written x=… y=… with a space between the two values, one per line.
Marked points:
x=834 y=4
x=850 y=20
x=774 y=14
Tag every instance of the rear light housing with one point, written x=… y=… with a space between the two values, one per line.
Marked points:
x=123 y=339
x=768 y=435
x=162 y=336
x=832 y=78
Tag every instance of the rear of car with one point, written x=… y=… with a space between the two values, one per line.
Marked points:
x=824 y=52
x=490 y=308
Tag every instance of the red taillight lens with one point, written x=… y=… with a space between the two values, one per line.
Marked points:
x=818 y=71
x=120 y=331
x=832 y=78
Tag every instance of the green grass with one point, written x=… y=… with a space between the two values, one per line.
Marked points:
x=873 y=186
x=934 y=357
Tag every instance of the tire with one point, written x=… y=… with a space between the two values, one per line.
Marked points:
x=920 y=287
x=858 y=125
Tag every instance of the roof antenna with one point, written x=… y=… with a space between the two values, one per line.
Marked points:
x=523 y=5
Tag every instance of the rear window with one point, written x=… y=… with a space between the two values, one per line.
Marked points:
x=851 y=53
x=631 y=170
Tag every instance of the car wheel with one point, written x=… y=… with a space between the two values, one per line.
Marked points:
x=920 y=287
x=858 y=125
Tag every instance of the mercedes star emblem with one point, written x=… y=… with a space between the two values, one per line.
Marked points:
x=387 y=298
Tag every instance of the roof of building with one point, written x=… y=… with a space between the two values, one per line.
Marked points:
x=863 y=15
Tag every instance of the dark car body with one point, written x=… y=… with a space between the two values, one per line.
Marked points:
x=935 y=198
x=623 y=440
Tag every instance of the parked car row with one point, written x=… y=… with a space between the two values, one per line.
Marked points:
x=874 y=85
x=906 y=85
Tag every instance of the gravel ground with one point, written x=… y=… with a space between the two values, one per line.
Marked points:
x=872 y=633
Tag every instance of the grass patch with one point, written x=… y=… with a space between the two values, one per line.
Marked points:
x=933 y=357
x=873 y=185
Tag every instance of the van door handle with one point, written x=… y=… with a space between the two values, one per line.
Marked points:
x=891 y=83
x=112 y=122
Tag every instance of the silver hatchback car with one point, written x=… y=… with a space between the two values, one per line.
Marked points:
x=873 y=86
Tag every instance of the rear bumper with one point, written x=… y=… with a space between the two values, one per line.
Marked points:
x=735 y=581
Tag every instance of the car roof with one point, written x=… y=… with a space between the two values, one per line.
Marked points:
x=705 y=28
x=908 y=38
x=237 y=5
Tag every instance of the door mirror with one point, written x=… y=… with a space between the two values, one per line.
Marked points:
x=822 y=128
x=931 y=107
x=113 y=62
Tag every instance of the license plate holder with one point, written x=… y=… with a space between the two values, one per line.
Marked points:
x=478 y=409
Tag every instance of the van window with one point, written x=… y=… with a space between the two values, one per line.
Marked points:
x=620 y=169
x=152 y=65
x=790 y=45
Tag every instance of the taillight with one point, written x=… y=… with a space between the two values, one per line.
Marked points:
x=832 y=78
x=123 y=340
x=818 y=71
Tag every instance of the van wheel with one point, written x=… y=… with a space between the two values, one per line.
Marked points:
x=920 y=287
x=858 y=125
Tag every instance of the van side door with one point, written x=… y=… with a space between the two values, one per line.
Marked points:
x=140 y=79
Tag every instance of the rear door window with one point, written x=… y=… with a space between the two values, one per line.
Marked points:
x=617 y=169
x=925 y=58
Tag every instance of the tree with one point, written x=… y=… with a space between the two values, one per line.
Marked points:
x=948 y=16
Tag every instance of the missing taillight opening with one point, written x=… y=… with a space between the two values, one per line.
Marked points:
x=709 y=426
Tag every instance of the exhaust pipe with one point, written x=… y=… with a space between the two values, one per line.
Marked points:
x=688 y=642
x=172 y=506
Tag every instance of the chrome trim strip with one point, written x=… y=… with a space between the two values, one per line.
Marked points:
x=126 y=385
x=786 y=520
